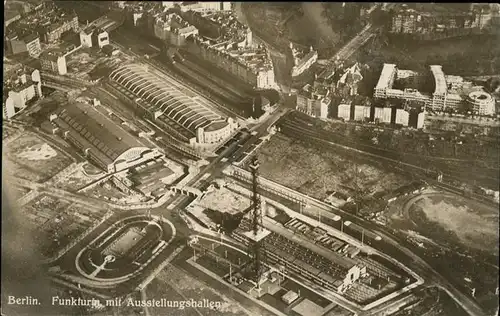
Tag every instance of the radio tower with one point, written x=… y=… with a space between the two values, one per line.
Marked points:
x=257 y=233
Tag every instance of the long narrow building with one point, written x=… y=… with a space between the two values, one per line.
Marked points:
x=101 y=140
x=172 y=105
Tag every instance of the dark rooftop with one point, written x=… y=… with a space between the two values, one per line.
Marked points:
x=106 y=139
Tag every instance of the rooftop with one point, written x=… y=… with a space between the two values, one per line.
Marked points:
x=11 y=14
x=351 y=75
x=302 y=55
x=386 y=76
x=52 y=54
x=254 y=58
x=340 y=261
x=50 y=17
x=318 y=90
x=30 y=37
x=165 y=96
x=439 y=79
x=17 y=77
x=227 y=21
x=94 y=130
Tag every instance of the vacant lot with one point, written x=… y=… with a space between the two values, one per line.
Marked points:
x=474 y=225
x=76 y=180
x=110 y=192
x=317 y=172
x=224 y=200
x=31 y=158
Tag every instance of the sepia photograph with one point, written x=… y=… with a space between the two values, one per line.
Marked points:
x=184 y=158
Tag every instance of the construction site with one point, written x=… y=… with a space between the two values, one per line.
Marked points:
x=288 y=261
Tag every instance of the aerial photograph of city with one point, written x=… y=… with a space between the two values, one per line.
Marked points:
x=169 y=158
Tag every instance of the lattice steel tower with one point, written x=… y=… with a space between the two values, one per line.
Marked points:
x=257 y=245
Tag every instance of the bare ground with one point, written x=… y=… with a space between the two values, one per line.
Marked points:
x=475 y=225
x=31 y=158
x=314 y=171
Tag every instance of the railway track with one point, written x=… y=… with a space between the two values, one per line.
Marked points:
x=481 y=175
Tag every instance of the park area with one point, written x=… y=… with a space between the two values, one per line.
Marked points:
x=31 y=158
x=312 y=170
x=307 y=23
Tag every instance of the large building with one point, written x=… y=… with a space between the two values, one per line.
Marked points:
x=29 y=43
x=173 y=29
x=102 y=141
x=190 y=117
x=302 y=60
x=361 y=113
x=344 y=111
x=49 y=22
x=251 y=65
x=302 y=257
x=52 y=32
x=54 y=61
x=481 y=103
x=233 y=50
x=203 y=6
x=350 y=80
x=436 y=25
x=20 y=87
x=382 y=115
x=449 y=92
x=93 y=36
x=314 y=100
x=216 y=37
